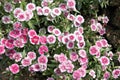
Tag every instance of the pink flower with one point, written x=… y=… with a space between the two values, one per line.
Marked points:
x=62 y=67
x=29 y=15
x=43 y=39
x=35 y=40
x=106 y=75
x=50 y=29
x=76 y=23
x=81 y=44
x=102 y=31
x=57 y=71
x=39 y=10
x=17 y=11
x=10 y=53
x=43 y=66
x=18 y=43
x=2 y=49
x=3 y=40
x=80 y=29
x=105 y=19
x=71 y=37
x=17 y=57
x=83 y=60
x=82 y=53
x=56 y=32
x=62 y=58
x=6 y=19
x=92 y=21
x=60 y=38
x=104 y=42
x=31 y=55
x=79 y=38
x=63 y=7
x=51 y=39
x=8 y=7
x=98 y=44
x=92 y=73
x=46 y=11
x=9 y=44
x=42 y=49
x=93 y=50
x=70 y=17
x=116 y=73
x=56 y=11
x=79 y=19
x=70 y=45
x=26 y=62
x=44 y=3
x=76 y=75
x=104 y=60
x=65 y=39
x=14 y=68
x=30 y=6
x=17 y=26
x=42 y=59
x=24 y=31
x=93 y=27
x=68 y=66
x=23 y=38
x=73 y=56
x=15 y=33
x=76 y=33
x=71 y=4
x=82 y=72
x=36 y=67
x=31 y=33
x=21 y=16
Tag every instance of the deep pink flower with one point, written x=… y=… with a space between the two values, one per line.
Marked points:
x=17 y=11
x=26 y=62
x=14 y=68
x=42 y=59
x=93 y=50
x=36 y=67
x=81 y=44
x=104 y=60
x=39 y=10
x=116 y=73
x=17 y=26
x=15 y=33
x=43 y=39
x=21 y=16
x=70 y=45
x=73 y=56
x=56 y=32
x=24 y=31
x=51 y=39
x=71 y=37
x=31 y=33
x=43 y=49
x=23 y=38
x=6 y=19
x=46 y=11
x=65 y=39
x=82 y=53
x=30 y=6
x=17 y=57
x=31 y=55
x=3 y=40
x=34 y=40
x=9 y=44
x=2 y=49
x=8 y=7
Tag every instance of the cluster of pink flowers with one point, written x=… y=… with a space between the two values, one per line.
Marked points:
x=78 y=54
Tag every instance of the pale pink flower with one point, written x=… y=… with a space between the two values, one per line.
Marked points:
x=39 y=10
x=18 y=43
x=51 y=39
x=21 y=16
x=60 y=38
x=82 y=53
x=119 y=58
x=104 y=67
x=106 y=75
x=73 y=56
x=56 y=32
x=26 y=62
x=17 y=11
x=92 y=21
x=42 y=59
x=71 y=37
x=43 y=49
x=83 y=60
x=43 y=66
x=31 y=33
x=30 y=6
x=43 y=39
x=62 y=58
x=14 y=68
x=82 y=72
x=62 y=68
x=68 y=66
x=44 y=3
x=98 y=44
x=50 y=28
x=104 y=60
x=76 y=23
x=79 y=38
x=15 y=33
x=29 y=15
x=65 y=39
x=104 y=42
x=77 y=33
x=31 y=55
x=93 y=27
x=93 y=50
x=17 y=26
x=36 y=67
x=17 y=57
x=2 y=41
x=70 y=45
x=56 y=11
x=70 y=17
x=31 y=68
x=105 y=19
x=8 y=7
x=34 y=40
x=6 y=19
x=76 y=75
x=9 y=44
x=63 y=7
x=71 y=4
x=102 y=31
x=2 y=49
x=116 y=73
x=92 y=73
x=46 y=11
x=56 y=56
x=81 y=44
x=110 y=54
x=80 y=29
x=79 y=19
